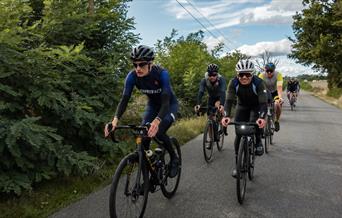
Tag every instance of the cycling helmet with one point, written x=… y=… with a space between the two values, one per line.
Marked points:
x=212 y=68
x=270 y=66
x=244 y=66
x=142 y=53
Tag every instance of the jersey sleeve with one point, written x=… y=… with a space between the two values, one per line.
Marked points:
x=126 y=95
x=201 y=91
x=165 y=95
x=230 y=98
x=223 y=87
x=280 y=79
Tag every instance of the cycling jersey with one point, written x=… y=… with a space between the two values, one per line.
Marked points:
x=272 y=83
x=216 y=90
x=292 y=86
x=247 y=96
x=156 y=85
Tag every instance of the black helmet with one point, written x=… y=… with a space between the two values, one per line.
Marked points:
x=270 y=66
x=212 y=68
x=142 y=53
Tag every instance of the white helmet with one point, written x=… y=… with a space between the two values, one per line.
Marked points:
x=244 y=66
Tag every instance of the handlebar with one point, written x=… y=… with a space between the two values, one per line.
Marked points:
x=138 y=130
x=244 y=123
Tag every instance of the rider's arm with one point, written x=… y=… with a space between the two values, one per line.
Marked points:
x=280 y=84
x=230 y=98
x=223 y=87
x=126 y=95
x=262 y=98
x=201 y=92
x=165 y=95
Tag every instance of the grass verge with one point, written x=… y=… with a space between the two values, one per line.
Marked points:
x=60 y=192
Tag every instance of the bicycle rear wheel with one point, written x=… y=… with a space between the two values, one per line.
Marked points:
x=169 y=185
x=241 y=169
x=129 y=189
x=208 y=141
x=219 y=143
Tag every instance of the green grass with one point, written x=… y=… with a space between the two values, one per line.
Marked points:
x=306 y=86
x=52 y=195
x=335 y=92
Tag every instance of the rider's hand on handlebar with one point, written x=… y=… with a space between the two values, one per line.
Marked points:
x=197 y=107
x=221 y=109
x=114 y=124
x=152 y=131
x=261 y=123
x=225 y=121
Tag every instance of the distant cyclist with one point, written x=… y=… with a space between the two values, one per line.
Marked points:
x=274 y=84
x=215 y=84
x=162 y=106
x=250 y=93
x=292 y=87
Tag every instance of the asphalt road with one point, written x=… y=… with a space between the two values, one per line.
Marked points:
x=300 y=177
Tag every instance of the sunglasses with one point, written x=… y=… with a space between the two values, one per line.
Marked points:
x=212 y=74
x=141 y=65
x=244 y=74
x=269 y=71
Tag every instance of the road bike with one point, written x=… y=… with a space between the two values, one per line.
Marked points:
x=141 y=172
x=213 y=133
x=245 y=164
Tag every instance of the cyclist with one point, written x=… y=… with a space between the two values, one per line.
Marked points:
x=250 y=92
x=274 y=85
x=292 y=87
x=162 y=105
x=216 y=87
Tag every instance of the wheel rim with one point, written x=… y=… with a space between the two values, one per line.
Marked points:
x=208 y=143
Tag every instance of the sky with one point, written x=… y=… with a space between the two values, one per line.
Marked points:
x=251 y=26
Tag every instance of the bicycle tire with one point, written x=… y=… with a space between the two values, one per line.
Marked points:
x=124 y=171
x=271 y=130
x=220 y=143
x=251 y=160
x=267 y=135
x=208 y=145
x=241 y=169
x=165 y=186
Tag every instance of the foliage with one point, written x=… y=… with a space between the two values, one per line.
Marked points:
x=318 y=38
x=187 y=58
x=59 y=69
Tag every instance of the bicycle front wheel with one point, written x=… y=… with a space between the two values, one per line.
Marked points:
x=251 y=159
x=208 y=141
x=267 y=133
x=241 y=169
x=129 y=189
x=169 y=185
x=221 y=138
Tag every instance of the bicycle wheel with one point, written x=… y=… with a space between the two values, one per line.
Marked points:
x=219 y=143
x=129 y=192
x=241 y=169
x=251 y=159
x=292 y=102
x=271 y=130
x=208 y=141
x=267 y=135
x=169 y=185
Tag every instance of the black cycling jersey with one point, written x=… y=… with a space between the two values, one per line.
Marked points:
x=216 y=90
x=248 y=96
x=292 y=86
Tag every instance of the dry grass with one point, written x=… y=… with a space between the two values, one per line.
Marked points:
x=320 y=89
x=187 y=129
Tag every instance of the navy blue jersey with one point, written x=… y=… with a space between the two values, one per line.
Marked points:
x=156 y=85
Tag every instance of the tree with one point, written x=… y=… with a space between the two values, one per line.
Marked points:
x=59 y=72
x=266 y=58
x=318 y=38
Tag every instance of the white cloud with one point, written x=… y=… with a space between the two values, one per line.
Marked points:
x=288 y=67
x=277 y=48
x=227 y=13
x=211 y=42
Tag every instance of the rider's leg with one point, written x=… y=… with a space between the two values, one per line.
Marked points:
x=258 y=142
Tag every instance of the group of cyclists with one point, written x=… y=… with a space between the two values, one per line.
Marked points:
x=248 y=91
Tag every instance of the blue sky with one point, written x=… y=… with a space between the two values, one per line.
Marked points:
x=248 y=25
